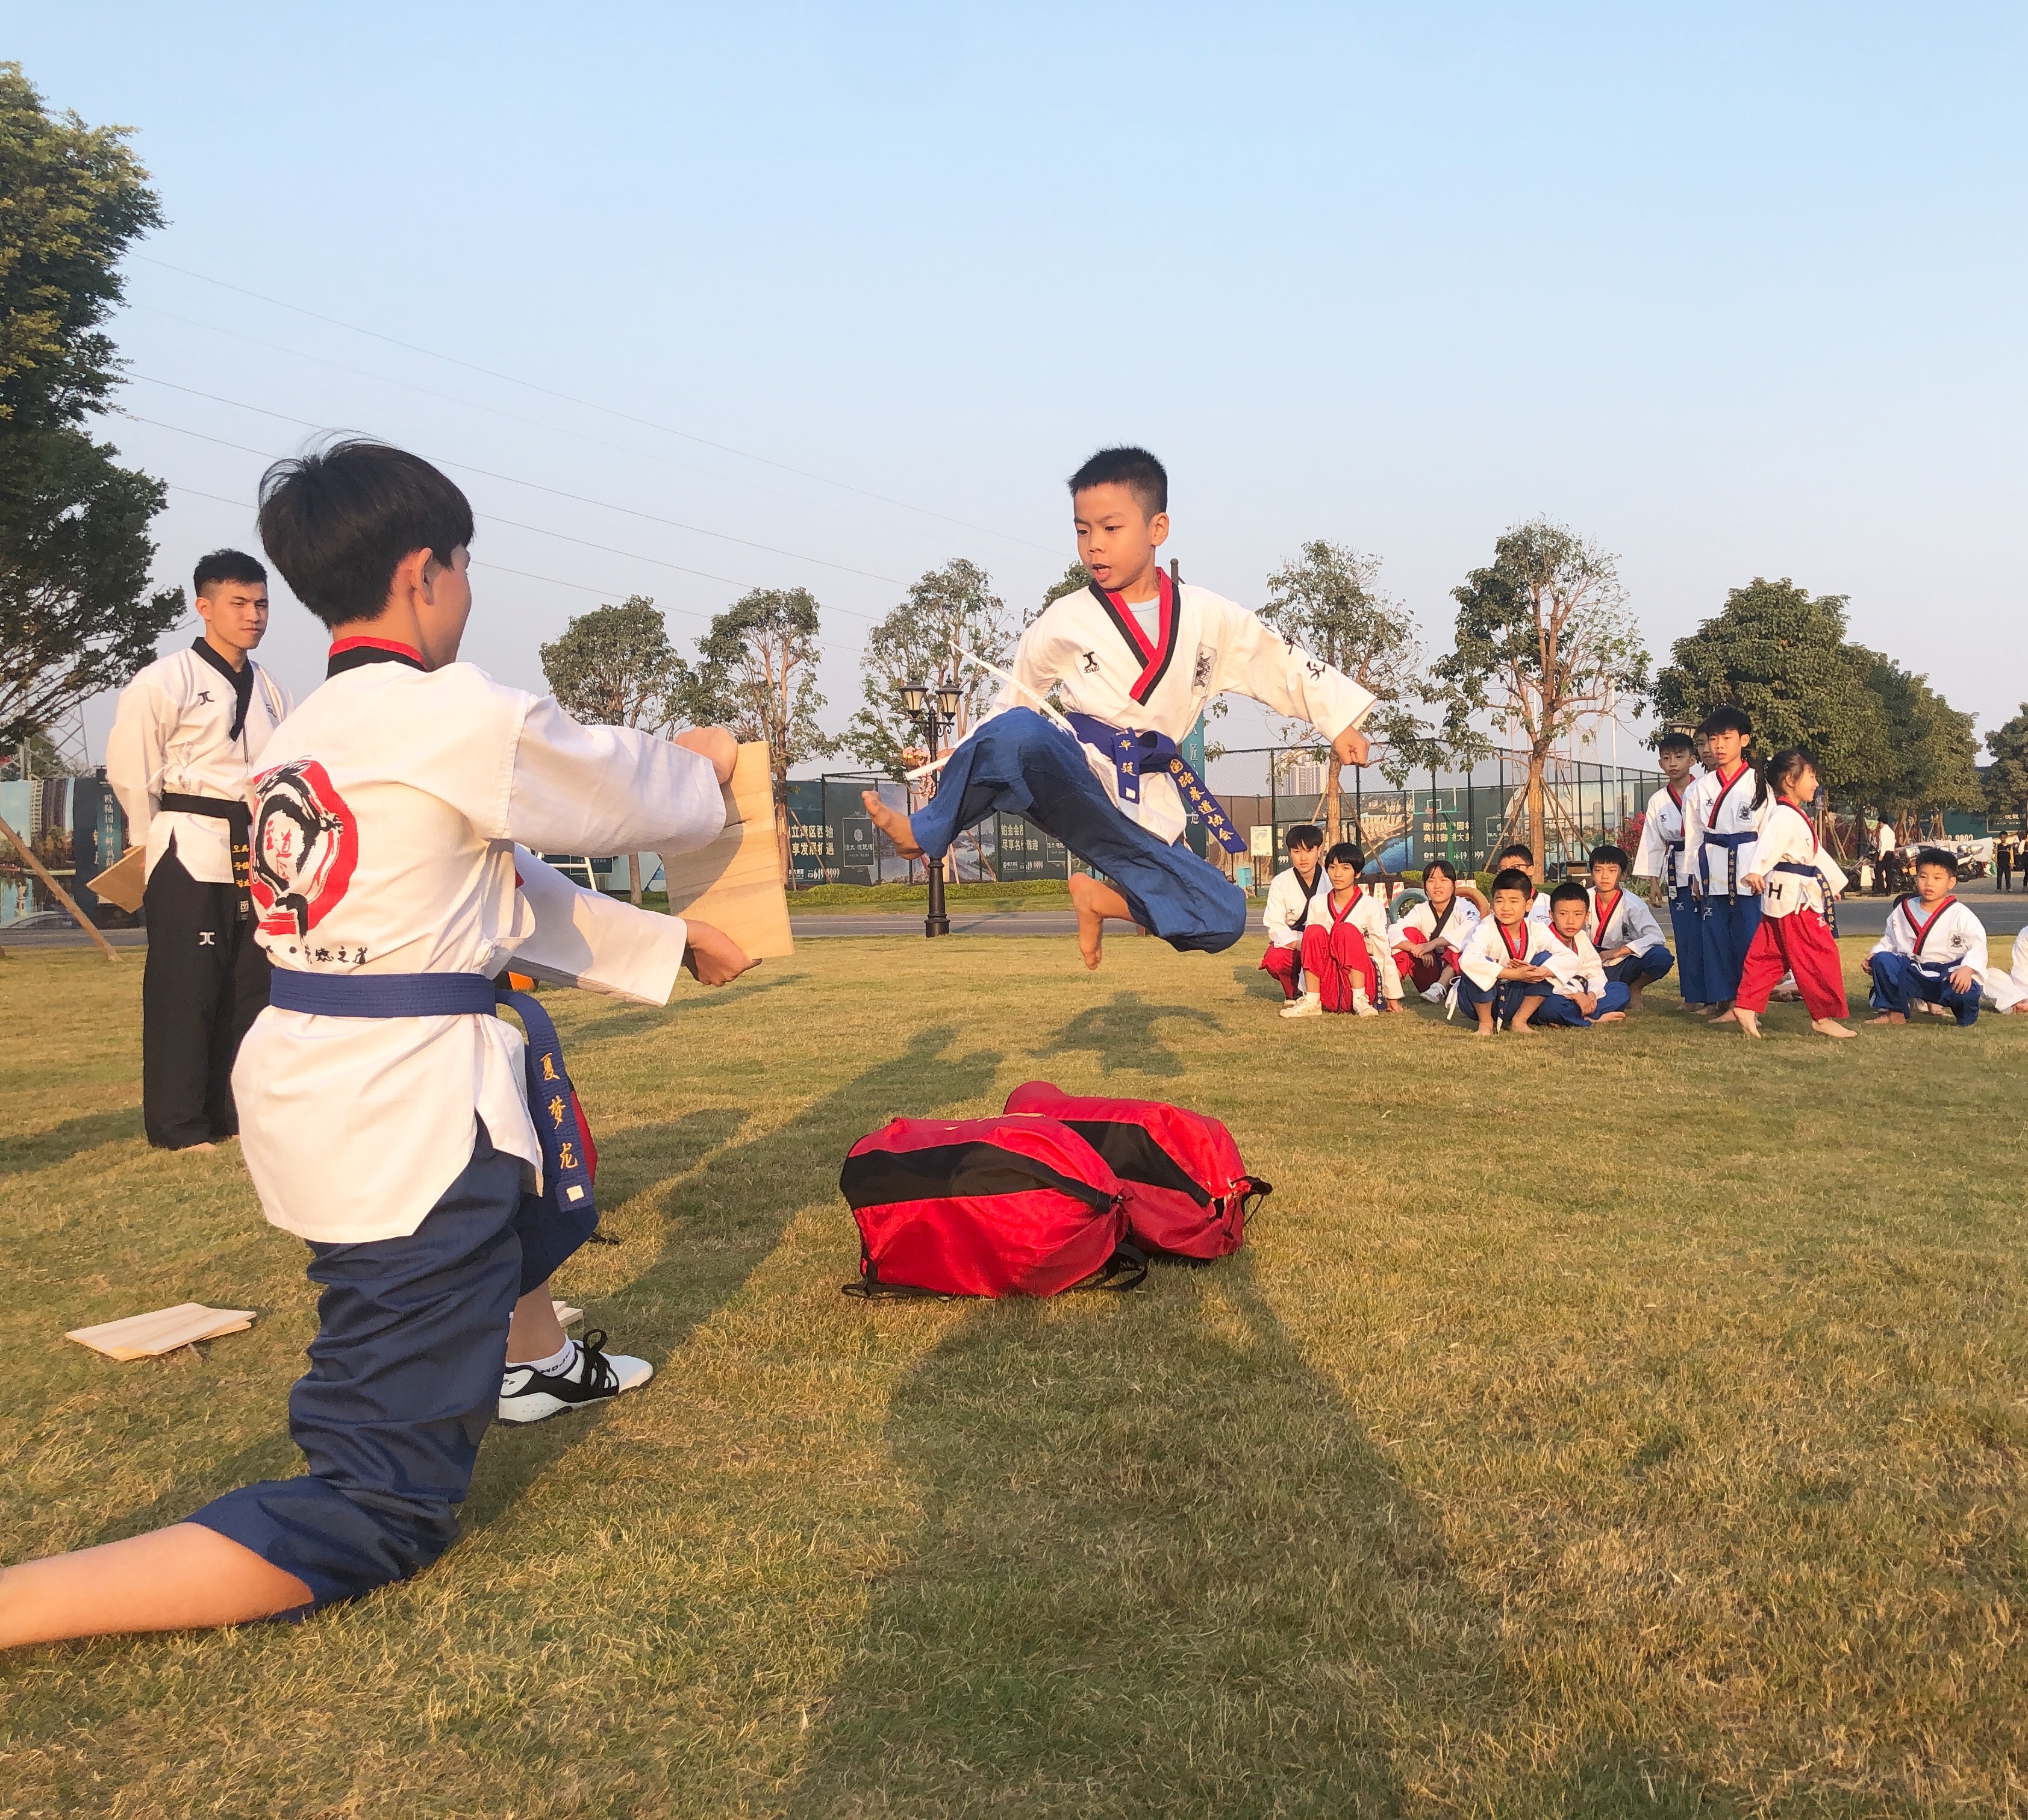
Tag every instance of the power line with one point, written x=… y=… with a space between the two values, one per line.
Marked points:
x=590 y=404
x=512 y=480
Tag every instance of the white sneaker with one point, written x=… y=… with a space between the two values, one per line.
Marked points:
x=1362 y=1006
x=1310 y=1005
x=593 y=1375
x=1436 y=994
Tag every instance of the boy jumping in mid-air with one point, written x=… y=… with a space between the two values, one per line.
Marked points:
x=1623 y=929
x=1134 y=659
x=431 y=1157
x=1292 y=900
x=1661 y=856
x=1932 y=955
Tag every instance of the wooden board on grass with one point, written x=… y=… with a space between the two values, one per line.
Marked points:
x=150 y=1335
x=735 y=883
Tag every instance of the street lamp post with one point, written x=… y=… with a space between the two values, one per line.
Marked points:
x=939 y=707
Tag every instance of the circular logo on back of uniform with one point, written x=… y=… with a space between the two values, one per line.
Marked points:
x=305 y=845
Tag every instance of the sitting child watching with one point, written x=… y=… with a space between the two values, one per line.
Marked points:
x=1518 y=856
x=1933 y=956
x=1496 y=965
x=1573 y=989
x=1292 y=901
x=1345 y=948
x=1623 y=929
x=1428 y=938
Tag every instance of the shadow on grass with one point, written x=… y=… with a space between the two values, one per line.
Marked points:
x=726 y=1218
x=1161 y=1571
x=1122 y=1035
x=60 y=1143
x=634 y=1020
x=1256 y=981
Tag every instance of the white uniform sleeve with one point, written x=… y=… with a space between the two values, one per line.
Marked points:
x=1254 y=659
x=1974 y=954
x=607 y=789
x=1031 y=668
x=1642 y=930
x=134 y=754
x=1694 y=828
x=1590 y=969
x=1652 y=861
x=1284 y=899
x=585 y=938
x=1480 y=959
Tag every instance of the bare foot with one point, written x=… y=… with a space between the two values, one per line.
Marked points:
x=1093 y=903
x=1391 y=1004
x=185 y=1149
x=1888 y=1017
x=1609 y=1017
x=1634 y=998
x=1485 y=1029
x=1829 y=1027
x=1748 y=1021
x=892 y=823
x=1725 y=1016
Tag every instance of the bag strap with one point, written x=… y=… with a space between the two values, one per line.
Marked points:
x=870 y=1289
x=1126 y=1269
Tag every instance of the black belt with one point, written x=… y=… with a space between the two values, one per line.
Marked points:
x=239 y=817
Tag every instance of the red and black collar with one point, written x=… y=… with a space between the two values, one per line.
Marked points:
x=1154 y=658
x=1922 y=930
x=352 y=653
x=1604 y=911
x=1725 y=790
x=1516 y=949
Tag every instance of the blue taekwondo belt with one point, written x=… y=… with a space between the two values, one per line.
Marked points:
x=566 y=1181
x=1796 y=868
x=1732 y=843
x=1135 y=753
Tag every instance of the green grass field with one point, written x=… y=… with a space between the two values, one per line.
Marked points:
x=1627 y=1423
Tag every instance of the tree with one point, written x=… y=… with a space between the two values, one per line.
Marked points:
x=759 y=677
x=615 y=666
x=1544 y=640
x=1326 y=604
x=2007 y=777
x=1780 y=653
x=1929 y=757
x=1077 y=578
x=951 y=605
x=76 y=618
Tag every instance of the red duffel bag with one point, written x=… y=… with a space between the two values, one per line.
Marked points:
x=1187 y=1191
x=985 y=1207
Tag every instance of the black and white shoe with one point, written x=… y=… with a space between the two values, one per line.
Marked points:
x=593 y=1375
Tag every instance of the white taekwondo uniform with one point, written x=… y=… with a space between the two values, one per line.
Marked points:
x=1419 y=923
x=1662 y=843
x=1290 y=909
x=1711 y=805
x=1628 y=923
x=1950 y=937
x=353 y=1126
x=2009 y=989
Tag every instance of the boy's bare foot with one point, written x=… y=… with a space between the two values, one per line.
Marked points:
x=185 y=1149
x=1093 y=903
x=1888 y=1017
x=1829 y=1027
x=1634 y=998
x=1485 y=1028
x=1609 y=1017
x=1391 y=1004
x=1727 y=1015
x=1749 y=1021
x=892 y=823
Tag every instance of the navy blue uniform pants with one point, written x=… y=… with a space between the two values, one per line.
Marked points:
x=1020 y=764
x=1897 y=979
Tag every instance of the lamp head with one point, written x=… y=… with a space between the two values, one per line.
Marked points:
x=948 y=698
x=912 y=697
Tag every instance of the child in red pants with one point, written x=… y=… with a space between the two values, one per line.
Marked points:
x=1345 y=947
x=1293 y=899
x=1795 y=878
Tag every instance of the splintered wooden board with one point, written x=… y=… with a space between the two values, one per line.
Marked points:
x=735 y=883
x=122 y=882
x=150 y=1335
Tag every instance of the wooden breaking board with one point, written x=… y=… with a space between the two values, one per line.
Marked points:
x=122 y=882
x=150 y=1336
x=735 y=883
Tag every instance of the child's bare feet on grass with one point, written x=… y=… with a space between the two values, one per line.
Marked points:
x=1749 y=1021
x=1609 y=1017
x=1727 y=1015
x=1485 y=1029
x=892 y=823
x=1890 y=1017
x=1391 y=1004
x=1829 y=1027
x=1093 y=903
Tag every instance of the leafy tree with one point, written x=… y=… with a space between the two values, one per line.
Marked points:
x=615 y=666
x=759 y=677
x=1780 y=653
x=1929 y=757
x=76 y=618
x=953 y=604
x=1325 y=603
x=2007 y=777
x=1077 y=578
x=1544 y=640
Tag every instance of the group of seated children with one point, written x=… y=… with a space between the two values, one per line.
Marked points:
x=1582 y=954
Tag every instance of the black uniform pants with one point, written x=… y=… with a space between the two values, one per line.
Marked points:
x=205 y=981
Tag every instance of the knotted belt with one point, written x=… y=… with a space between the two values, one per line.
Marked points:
x=1732 y=843
x=1799 y=870
x=1136 y=753
x=552 y=1102
x=240 y=820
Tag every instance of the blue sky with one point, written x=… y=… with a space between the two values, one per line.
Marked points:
x=1734 y=291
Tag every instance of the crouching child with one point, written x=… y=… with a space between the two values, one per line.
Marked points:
x=1345 y=947
x=1623 y=929
x=1292 y=901
x=1932 y=956
x=1498 y=965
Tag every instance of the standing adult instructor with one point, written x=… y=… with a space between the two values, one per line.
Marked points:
x=188 y=730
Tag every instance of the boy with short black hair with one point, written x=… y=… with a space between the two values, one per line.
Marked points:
x=1721 y=817
x=1932 y=954
x=1518 y=856
x=1623 y=929
x=387 y=1116
x=1573 y=989
x=1345 y=947
x=1499 y=966
x=1661 y=857
x=1135 y=659
x=1292 y=899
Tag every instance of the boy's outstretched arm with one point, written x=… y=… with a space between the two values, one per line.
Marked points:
x=1255 y=660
